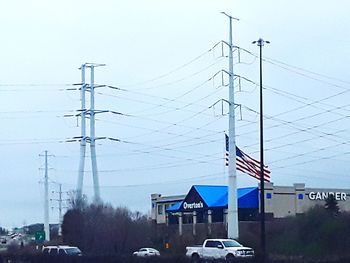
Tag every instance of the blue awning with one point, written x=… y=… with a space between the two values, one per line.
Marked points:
x=175 y=207
x=215 y=196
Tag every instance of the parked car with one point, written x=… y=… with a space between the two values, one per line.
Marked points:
x=219 y=249
x=61 y=251
x=146 y=252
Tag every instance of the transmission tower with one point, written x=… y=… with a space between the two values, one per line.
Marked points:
x=46 y=196
x=60 y=200
x=84 y=139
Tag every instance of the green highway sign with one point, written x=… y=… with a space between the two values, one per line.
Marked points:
x=40 y=236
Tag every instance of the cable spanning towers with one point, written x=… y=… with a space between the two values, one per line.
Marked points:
x=84 y=139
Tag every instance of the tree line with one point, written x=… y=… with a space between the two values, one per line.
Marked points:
x=102 y=229
x=323 y=231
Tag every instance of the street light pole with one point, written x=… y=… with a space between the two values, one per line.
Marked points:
x=260 y=42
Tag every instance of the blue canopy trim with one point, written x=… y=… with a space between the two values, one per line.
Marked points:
x=215 y=196
x=174 y=207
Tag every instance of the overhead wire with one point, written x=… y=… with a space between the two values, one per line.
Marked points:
x=165 y=182
x=151 y=167
x=170 y=156
x=310 y=130
x=307 y=153
x=181 y=79
x=176 y=68
x=164 y=129
x=287 y=67
x=329 y=110
x=286 y=123
x=146 y=102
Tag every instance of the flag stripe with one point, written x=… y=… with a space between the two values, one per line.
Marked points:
x=247 y=164
x=255 y=169
x=252 y=175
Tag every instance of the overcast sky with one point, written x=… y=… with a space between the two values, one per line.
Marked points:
x=160 y=53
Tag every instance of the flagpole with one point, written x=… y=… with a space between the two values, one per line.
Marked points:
x=260 y=42
x=232 y=211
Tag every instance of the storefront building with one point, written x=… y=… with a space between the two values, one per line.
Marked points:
x=208 y=203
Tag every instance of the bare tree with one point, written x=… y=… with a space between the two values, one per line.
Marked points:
x=102 y=229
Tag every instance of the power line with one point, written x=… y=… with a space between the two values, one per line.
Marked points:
x=163 y=130
x=166 y=149
x=144 y=102
x=310 y=130
x=176 y=124
x=34 y=111
x=37 y=84
x=312 y=176
x=305 y=74
x=308 y=102
x=167 y=100
x=314 y=151
x=166 y=182
x=32 y=141
x=181 y=79
x=176 y=68
x=303 y=129
x=158 y=167
x=308 y=71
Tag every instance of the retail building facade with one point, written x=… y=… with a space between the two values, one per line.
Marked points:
x=208 y=203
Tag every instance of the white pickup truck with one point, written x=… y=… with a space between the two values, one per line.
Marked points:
x=219 y=249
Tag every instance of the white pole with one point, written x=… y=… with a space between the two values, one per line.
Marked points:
x=232 y=216
x=92 y=139
x=83 y=136
x=60 y=203
x=60 y=218
x=46 y=202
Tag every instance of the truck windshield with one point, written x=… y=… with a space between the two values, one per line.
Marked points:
x=231 y=243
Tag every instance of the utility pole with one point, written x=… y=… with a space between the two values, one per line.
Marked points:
x=46 y=197
x=83 y=136
x=260 y=42
x=46 y=201
x=60 y=204
x=97 y=197
x=60 y=200
x=232 y=214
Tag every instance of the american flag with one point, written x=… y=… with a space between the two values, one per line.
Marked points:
x=245 y=163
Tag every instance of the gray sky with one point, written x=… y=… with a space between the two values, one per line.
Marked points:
x=174 y=139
